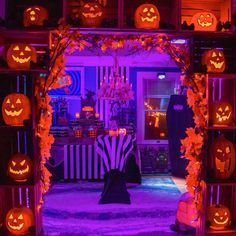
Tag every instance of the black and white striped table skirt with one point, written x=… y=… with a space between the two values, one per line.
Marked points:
x=82 y=162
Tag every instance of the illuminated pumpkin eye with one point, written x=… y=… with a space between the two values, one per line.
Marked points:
x=96 y=6
x=87 y=6
x=220 y=109
x=220 y=54
x=201 y=16
x=226 y=214
x=208 y=15
x=8 y=101
x=217 y=214
x=37 y=8
x=16 y=48
x=29 y=9
x=20 y=217
x=18 y=101
x=22 y=163
x=227 y=108
x=13 y=163
x=10 y=217
x=214 y=54
x=227 y=150
x=152 y=10
x=145 y=10
x=27 y=49
x=219 y=150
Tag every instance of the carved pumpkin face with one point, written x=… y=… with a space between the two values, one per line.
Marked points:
x=147 y=16
x=222 y=114
x=16 y=109
x=18 y=220
x=19 y=56
x=35 y=15
x=122 y=131
x=20 y=167
x=214 y=60
x=219 y=217
x=222 y=157
x=91 y=14
x=204 y=21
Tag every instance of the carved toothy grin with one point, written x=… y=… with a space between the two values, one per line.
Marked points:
x=92 y=15
x=203 y=24
x=217 y=65
x=221 y=118
x=148 y=19
x=19 y=172
x=19 y=227
x=13 y=113
x=21 y=60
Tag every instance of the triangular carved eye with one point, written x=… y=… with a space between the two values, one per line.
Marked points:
x=227 y=150
x=86 y=5
x=27 y=49
x=20 y=217
x=22 y=163
x=145 y=10
x=219 y=150
x=18 y=101
x=29 y=9
x=8 y=101
x=152 y=10
x=10 y=217
x=16 y=48
x=214 y=54
x=220 y=54
x=217 y=214
x=13 y=163
x=227 y=108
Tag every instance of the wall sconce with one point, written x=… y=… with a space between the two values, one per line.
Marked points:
x=161 y=75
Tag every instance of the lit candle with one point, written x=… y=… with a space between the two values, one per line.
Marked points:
x=77 y=115
x=97 y=115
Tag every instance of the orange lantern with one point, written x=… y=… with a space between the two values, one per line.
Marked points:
x=35 y=15
x=214 y=60
x=19 y=56
x=221 y=114
x=91 y=14
x=122 y=131
x=147 y=16
x=219 y=217
x=20 y=167
x=19 y=220
x=92 y=133
x=15 y=109
x=204 y=21
x=78 y=132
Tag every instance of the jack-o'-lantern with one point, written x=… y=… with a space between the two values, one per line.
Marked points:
x=15 y=109
x=204 y=21
x=214 y=60
x=91 y=14
x=147 y=16
x=19 y=220
x=19 y=56
x=222 y=158
x=35 y=15
x=19 y=167
x=221 y=114
x=219 y=217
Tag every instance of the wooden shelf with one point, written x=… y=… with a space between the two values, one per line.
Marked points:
x=229 y=232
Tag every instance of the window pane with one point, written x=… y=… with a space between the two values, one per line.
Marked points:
x=156 y=103
x=155 y=125
x=158 y=87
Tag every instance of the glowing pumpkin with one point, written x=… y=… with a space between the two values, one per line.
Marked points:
x=91 y=14
x=19 y=167
x=19 y=220
x=214 y=60
x=204 y=21
x=122 y=131
x=35 y=15
x=19 y=56
x=16 y=109
x=147 y=16
x=222 y=158
x=222 y=114
x=219 y=217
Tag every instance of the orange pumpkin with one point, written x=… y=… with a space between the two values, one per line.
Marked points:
x=221 y=114
x=122 y=131
x=147 y=16
x=222 y=158
x=204 y=21
x=214 y=60
x=19 y=220
x=35 y=15
x=20 y=167
x=91 y=14
x=15 y=109
x=19 y=56
x=219 y=217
